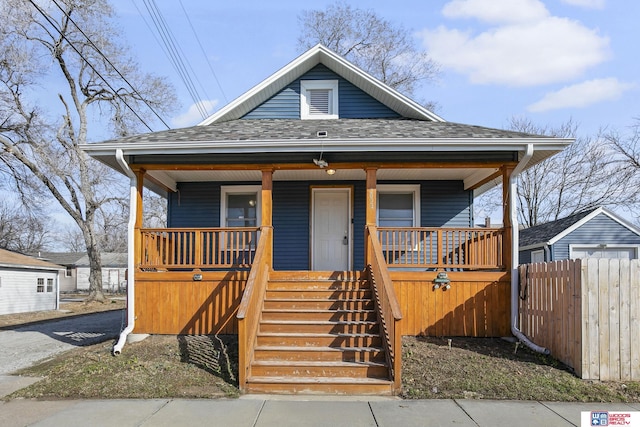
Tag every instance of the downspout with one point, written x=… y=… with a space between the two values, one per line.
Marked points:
x=515 y=261
x=133 y=194
x=547 y=252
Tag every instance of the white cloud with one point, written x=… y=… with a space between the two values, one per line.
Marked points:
x=496 y=11
x=193 y=116
x=524 y=49
x=582 y=95
x=589 y=4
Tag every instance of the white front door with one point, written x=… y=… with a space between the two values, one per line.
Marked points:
x=331 y=229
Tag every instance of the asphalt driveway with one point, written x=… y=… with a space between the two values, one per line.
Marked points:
x=24 y=346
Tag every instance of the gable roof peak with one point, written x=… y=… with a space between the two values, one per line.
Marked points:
x=320 y=54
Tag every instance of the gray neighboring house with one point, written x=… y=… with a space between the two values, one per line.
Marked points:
x=76 y=276
x=28 y=284
x=596 y=233
x=69 y=260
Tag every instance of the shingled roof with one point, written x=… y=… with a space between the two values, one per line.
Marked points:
x=343 y=129
x=14 y=259
x=543 y=233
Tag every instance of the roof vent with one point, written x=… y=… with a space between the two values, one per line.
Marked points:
x=322 y=134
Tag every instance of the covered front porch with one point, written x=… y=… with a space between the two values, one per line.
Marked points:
x=192 y=279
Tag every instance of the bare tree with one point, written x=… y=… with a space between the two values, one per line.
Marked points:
x=584 y=176
x=22 y=229
x=41 y=128
x=627 y=146
x=382 y=49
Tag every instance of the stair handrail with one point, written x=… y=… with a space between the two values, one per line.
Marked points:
x=250 y=308
x=386 y=304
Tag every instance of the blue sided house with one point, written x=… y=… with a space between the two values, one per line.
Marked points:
x=594 y=233
x=321 y=216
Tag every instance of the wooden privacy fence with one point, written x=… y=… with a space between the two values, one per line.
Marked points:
x=587 y=313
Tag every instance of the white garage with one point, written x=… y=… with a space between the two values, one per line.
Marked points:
x=28 y=284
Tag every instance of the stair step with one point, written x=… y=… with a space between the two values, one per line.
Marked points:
x=345 y=354
x=327 y=326
x=320 y=315
x=319 y=340
x=316 y=275
x=317 y=285
x=270 y=368
x=325 y=385
x=318 y=304
x=328 y=294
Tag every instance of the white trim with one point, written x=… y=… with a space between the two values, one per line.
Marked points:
x=401 y=189
x=315 y=190
x=588 y=218
x=329 y=85
x=328 y=144
x=240 y=189
x=578 y=246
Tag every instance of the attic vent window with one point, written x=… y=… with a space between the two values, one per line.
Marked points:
x=318 y=99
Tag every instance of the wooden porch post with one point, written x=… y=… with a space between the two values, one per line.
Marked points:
x=267 y=209
x=371 y=209
x=507 y=200
x=137 y=242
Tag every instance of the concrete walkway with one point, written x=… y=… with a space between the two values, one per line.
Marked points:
x=278 y=411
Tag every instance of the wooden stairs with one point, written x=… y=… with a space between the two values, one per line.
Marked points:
x=319 y=333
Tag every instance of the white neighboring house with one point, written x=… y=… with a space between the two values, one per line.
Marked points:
x=114 y=272
x=28 y=284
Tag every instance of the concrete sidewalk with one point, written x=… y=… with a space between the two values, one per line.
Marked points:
x=281 y=411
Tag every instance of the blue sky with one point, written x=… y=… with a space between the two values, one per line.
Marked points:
x=550 y=61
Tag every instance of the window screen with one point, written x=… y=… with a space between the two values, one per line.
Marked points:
x=241 y=210
x=395 y=210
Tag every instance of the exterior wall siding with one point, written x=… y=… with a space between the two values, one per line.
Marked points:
x=600 y=230
x=525 y=256
x=291 y=201
x=195 y=204
x=353 y=102
x=443 y=204
x=446 y=204
x=18 y=291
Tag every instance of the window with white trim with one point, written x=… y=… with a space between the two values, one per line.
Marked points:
x=318 y=99
x=399 y=205
x=240 y=206
x=49 y=285
x=68 y=271
x=40 y=287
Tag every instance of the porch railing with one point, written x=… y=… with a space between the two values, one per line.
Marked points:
x=250 y=309
x=176 y=248
x=443 y=248
x=387 y=306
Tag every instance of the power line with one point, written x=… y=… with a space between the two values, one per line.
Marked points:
x=111 y=64
x=175 y=55
x=88 y=63
x=204 y=53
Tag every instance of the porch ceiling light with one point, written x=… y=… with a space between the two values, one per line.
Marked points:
x=331 y=171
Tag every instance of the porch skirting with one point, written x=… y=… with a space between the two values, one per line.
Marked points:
x=476 y=305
